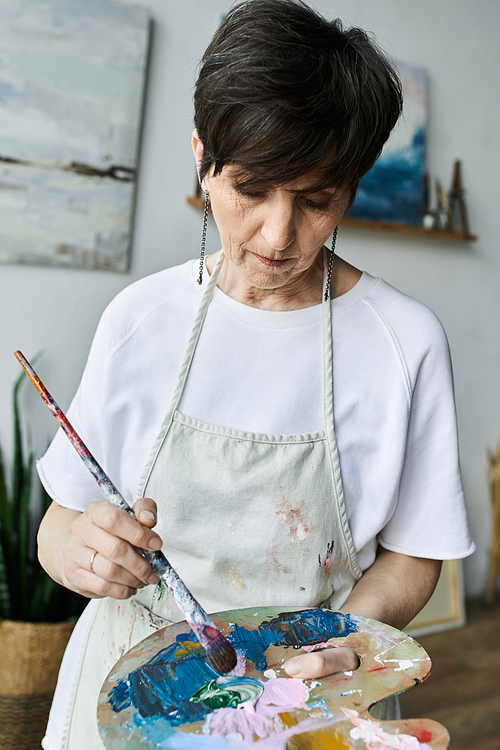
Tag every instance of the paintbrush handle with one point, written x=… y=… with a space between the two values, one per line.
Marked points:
x=191 y=609
x=90 y=462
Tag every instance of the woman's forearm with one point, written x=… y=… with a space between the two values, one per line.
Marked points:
x=394 y=589
x=52 y=536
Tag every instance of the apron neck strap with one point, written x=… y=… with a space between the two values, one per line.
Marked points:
x=326 y=312
x=195 y=333
x=198 y=325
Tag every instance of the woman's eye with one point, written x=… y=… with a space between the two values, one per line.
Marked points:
x=252 y=194
x=317 y=205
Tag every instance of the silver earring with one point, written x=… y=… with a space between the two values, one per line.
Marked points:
x=203 y=237
x=330 y=265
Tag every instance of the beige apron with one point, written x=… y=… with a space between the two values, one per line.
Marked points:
x=246 y=519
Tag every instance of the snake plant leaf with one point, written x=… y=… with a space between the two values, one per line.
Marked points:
x=5 y=541
x=43 y=591
x=5 y=605
x=26 y=591
x=18 y=468
x=5 y=509
x=24 y=526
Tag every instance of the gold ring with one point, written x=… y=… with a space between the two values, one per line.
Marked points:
x=92 y=561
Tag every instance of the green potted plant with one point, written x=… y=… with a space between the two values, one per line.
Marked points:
x=36 y=614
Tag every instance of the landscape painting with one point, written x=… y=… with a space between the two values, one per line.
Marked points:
x=393 y=190
x=72 y=78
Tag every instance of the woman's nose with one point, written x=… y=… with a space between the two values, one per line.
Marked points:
x=278 y=227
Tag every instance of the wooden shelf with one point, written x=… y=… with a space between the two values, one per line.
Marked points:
x=385 y=226
x=196 y=202
x=381 y=226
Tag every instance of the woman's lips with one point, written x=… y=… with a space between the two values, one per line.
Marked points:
x=271 y=262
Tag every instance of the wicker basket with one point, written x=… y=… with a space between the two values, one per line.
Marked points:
x=30 y=658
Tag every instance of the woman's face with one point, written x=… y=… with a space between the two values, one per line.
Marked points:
x=273 y=237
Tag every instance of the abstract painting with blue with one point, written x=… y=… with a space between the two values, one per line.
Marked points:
x=393 y=190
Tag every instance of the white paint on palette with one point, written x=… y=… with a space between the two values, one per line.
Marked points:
x=72 y=76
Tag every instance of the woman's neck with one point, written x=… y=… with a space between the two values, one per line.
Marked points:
x=305 y=291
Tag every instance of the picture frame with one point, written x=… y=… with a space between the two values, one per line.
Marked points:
x=393 y=190
x=446 y=607
x=72 y=86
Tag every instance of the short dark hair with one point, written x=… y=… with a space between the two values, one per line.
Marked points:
x=282 y=91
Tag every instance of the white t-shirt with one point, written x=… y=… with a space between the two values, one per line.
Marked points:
x=261 y=371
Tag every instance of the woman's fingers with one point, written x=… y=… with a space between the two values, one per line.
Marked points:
x=95 y=587
x=321 y=663
x=117 y=560
x=97 y=558
x=118 y=569
x=146 y=512
x=118 y=523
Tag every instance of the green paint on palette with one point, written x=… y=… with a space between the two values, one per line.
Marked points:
x=228 y=692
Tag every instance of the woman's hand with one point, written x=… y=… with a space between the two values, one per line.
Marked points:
x=393 y=590
x=95 y=552
x=320 y=663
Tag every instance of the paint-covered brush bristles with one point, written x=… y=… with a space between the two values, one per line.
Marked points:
x=220 y=653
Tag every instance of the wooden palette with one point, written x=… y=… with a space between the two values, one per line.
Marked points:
x=163 y=693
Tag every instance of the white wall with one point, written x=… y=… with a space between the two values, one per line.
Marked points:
x=456 y=41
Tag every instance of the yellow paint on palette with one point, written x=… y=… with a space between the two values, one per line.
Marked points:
x=187 y=647
x=319 y=739
x=288 y=719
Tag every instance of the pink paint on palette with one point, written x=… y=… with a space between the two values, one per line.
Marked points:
x=241 y=664
x=375 y=738
x=261 y=717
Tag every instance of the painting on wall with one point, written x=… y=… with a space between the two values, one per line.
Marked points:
x=72 y=78
x=393 y=190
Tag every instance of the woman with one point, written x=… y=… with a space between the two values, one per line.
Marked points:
x=209 y=394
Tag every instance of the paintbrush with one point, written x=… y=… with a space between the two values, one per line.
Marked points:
x=219 y=651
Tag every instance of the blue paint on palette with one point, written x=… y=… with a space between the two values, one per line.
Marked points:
x=162 y=688
x=182 y=741
x=291 y=629
x=164 y=685
x=158 y=733
x=393 y=190
x=310 y=626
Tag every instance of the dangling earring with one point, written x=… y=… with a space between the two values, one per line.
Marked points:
x=203 y=237
x=330 y=265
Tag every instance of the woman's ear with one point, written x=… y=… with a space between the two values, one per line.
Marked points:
x=197 y=147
